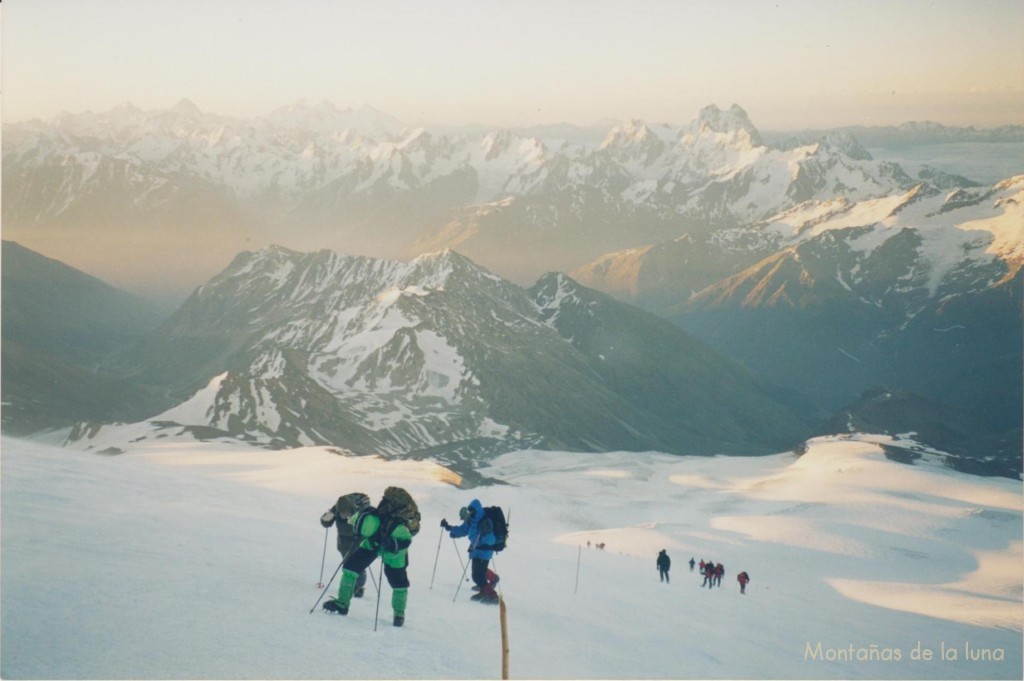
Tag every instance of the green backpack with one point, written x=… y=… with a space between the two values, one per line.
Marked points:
x=397 y=507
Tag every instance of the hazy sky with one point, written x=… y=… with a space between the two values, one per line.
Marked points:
x=789 y=63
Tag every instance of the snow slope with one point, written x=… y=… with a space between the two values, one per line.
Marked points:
x=186 y=560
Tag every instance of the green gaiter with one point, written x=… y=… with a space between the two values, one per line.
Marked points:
x=346 y=586
x=398 y=599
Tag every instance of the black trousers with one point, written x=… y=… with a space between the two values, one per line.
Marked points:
x=480 y=571
x=351 y=547
x=361 y=558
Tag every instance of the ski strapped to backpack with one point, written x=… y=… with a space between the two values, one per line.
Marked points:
x=398 y=506
x=499 y=526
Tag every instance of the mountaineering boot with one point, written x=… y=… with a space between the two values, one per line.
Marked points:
x=335 y=606
x=487 y=595
x=345 y=588
x=399 y=597
x=492 y=580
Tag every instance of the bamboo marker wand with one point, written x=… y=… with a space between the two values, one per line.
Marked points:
x=504 y=638
x=579 y=555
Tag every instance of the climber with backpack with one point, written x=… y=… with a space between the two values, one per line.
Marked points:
x=385 y=531
x=743 y=578
x=663 y=563
x=338 y=515
x=487 y=531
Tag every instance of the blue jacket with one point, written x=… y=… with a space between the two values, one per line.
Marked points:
x=470 y=527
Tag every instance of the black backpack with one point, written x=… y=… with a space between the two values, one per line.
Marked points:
x=499 y=526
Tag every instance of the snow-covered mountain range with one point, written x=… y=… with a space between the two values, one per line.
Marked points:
x=302 y=150
x=964 y=240
x=903 y=252
x=818 y=266
x=356 y=180
x=286 y=348
x=919 y=289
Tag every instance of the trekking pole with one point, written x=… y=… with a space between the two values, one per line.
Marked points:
x=464 y=569
x=379 y=589
x=374 y=580
x=326 y=587
x=320 y=582
x=459 y=554
x=438 y=555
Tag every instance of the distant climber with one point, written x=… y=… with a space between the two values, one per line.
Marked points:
x=709 y=574
x=691 y=564
x=742 y=578
x=664 y=563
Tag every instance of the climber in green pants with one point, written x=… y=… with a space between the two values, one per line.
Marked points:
x=386 y=531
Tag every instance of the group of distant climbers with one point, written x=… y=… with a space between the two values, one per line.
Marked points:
x=711 y=571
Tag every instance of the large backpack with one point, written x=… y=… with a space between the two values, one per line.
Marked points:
x=397 y=506
x=349 y=504
x=499 y=526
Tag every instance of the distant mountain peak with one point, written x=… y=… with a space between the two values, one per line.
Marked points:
x=186 y=107
x=272 y=252
x=555 y=291
x=277 y=249
x=847 y=144
x=414 y=137
x=442 y=255
x=444 y=259
x=438 y=269
x=633 y=129
x=496 y=143
x=128 y=107
x=733 y=120
x=558 y=281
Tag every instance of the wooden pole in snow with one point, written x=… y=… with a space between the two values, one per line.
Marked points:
x=504 y=638
x=579 y=555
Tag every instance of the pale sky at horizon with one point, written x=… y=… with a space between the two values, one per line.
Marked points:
x=789 y=63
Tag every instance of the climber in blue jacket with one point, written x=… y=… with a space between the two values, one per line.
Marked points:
x=481 y=542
